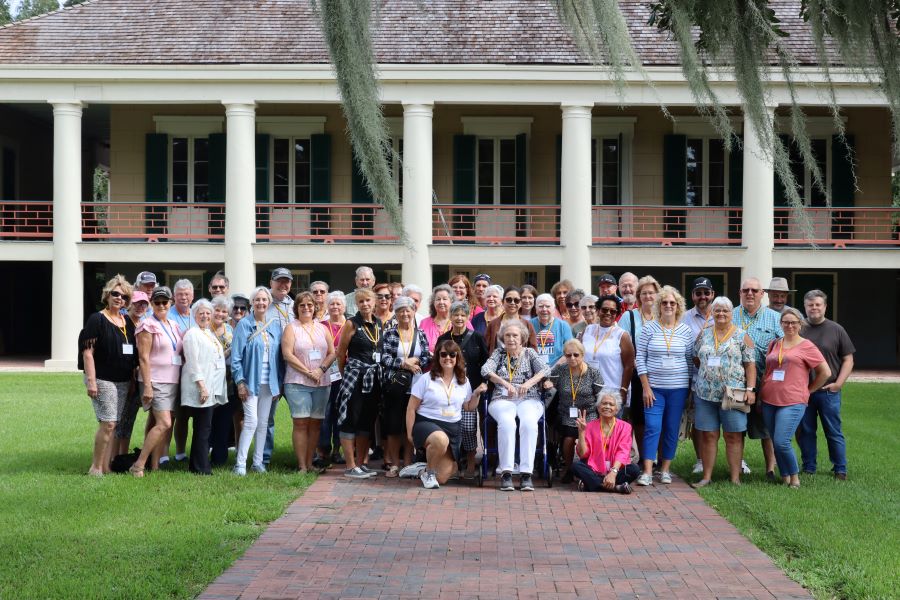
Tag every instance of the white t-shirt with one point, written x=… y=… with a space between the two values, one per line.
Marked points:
x=439 y=402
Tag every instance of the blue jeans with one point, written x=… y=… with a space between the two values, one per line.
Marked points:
x=827 y=406
x=663 y=419
x=782 y=423
x=270 y=433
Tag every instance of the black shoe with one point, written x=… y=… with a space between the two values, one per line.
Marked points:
x=320 y=463
x=377 y=453
x=567 y=477
x=506 y=484
x=770 y=475
x=623 y=488
x=840 y=476
x=337 y=459
x=525 y=484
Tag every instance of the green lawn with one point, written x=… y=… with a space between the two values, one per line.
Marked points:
x=63 y=534
x=838 y=539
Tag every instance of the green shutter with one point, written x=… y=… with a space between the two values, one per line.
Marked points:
x=843 y=184
x=440 y=273
x=320 y=177
x=559 y=168
x=464 y=169
x=156 y=180
x=675 y=170
x=780 y=189
x=262 y=183
x=321 y=276
x=736 y=173
x=359 y=191
x=217 y=162
x=522 y=168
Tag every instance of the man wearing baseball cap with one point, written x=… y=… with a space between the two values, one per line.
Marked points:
x=281 y=310
x=777 y=292
x=145 y=282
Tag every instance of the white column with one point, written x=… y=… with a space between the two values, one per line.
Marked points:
x=67 y=290
x=575 y=209
x=240 y=194
x=417 y=194
x=759 y=206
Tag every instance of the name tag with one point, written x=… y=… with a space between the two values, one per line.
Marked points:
x=127 y=349
x=573 y=412
x=315 y=354
x=448 y=412
x=714 y=361
x=376 y=356
x=668 y=361
x=594 y=363
x=266 y=355
x=500 y=391
x=335 y=376
x=220 y=362
x=176 y=360
x=778 y=375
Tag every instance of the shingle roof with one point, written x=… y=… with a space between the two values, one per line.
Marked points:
x=286 y=32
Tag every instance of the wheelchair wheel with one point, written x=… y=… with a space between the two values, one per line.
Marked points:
x=549 y=480
x=479 y=480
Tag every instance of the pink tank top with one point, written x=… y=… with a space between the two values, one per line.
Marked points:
x=311 y=347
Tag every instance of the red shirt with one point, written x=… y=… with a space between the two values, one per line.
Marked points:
x=796 y=364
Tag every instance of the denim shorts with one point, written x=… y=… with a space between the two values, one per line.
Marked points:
x=709 y=416
x=306 y=402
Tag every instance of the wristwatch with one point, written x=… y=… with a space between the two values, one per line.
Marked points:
x=614 y=470
x=751 y=389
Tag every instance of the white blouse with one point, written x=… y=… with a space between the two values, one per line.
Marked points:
x=204 y=360
x=439 y=402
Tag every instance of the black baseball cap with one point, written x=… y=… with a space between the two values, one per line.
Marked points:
x=282 y=273
x=608 y=279
x=702 y=282
x=162 y=291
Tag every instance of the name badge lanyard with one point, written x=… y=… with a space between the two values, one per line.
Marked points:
x=542 y=340
x=123 y=329
x=449 y=391
x=509 y=371
x=575 y=385
x=220 y=351
x=309 y=334
x=599 y=343
x=780 y=353
x=185 y=321
x=372 y=338
x=668 y=338
x=283 y=313
x=745 y=325
x=265 y=336
x=171 y=336
x=405 y=348
x=717 y=341
x=605 y=439
x=336 y=335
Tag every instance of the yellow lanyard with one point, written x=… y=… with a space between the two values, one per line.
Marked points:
x=598 y=344
x=372 y=338
x=309 y=334
x=123 y=328
x=574 y=385
x=448 y=390
x=542 y=340
x=445 y=328
x=283 y=313
x=668 y=339
x=265 y=335
x=724 y=339
x=780 y=352
x=512 y=374
x=214 y=340
x=403 y=348
x=744 y=324
x=606 y=437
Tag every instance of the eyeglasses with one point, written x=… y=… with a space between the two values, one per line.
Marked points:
x=306 y=305
x=668 y=303
x=608 y=311
x=239 y=309
x=571 y=305
x=573 y=355
x=589 y=307
x=513 y=300
x=750 y=290
x=317 y=292
x=160 y=303
x=383 y=296
x=116 y=294
x=448 y=354
x=790 y=323
x=217 y=287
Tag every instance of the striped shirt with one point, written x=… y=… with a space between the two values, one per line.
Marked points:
x=762 y=327
x=664 y=356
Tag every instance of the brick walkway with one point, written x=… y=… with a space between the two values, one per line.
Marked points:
x=386 y=538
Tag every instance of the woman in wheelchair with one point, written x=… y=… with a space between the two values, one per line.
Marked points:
x=604 y=447
x=434 y=411
x=515 y=371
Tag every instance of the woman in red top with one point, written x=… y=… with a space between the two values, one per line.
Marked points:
x=786 y=388
x=604 y=447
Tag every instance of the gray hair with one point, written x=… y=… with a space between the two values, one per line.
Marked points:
x=201 y=303
x=588 y=299
x=404 y=302
x=459 y=305
x=611 y=393
x=518 y=324
x=220 y=275
x=364 y=270
x=336 y=295
x=314 y=283
x=545 y=298
x=813 y=294
x=721 y=301
x=790 y=310
x=223 y=302
x=626 y=275
x=411 y=288
x=494 y=289
x=183 y=284
x=575 y=294
x=258 y=289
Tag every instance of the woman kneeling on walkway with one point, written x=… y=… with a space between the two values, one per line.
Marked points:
x=604 y=447
x=434 y=411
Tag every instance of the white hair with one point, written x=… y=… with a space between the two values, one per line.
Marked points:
x=545 y=298
x=258 y=289
x=722 y=301
x=411 y=288
x=364 y=271
x=612 y=393
x=222 y=301
x=494 y=289
x=336 y=295
x=183 y=284
x=518 y=324
x=626 y=275
x=201 y=303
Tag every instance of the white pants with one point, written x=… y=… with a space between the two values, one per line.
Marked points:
x=505 y=413
x=256 y=423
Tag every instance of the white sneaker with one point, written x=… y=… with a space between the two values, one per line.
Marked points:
x=665 y=477
x=745 y=468
x=698 y=467
x=413 y=470
x=429 y=481
x=644 y=479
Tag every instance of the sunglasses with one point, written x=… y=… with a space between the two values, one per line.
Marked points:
x=217 y=287
x=317 y=292
x=750 y=290
x=571 y=305
x=589 y=307
x=573 y=355
x=608 y=311
x=448 y=354
x=513 y=300
x=116 y=294
x=702 y=293
x=160 y=303
x=239 y=309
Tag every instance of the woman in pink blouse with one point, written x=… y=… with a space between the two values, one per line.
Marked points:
x=604 y=447
x=439 y=322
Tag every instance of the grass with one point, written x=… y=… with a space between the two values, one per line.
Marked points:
x=837 y=539
x=64 y=535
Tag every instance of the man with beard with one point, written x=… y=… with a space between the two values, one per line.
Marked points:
x=627 y=287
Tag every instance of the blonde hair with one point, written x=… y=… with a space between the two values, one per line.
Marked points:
x=668 y=290
x=118 y=281
x=645 y=281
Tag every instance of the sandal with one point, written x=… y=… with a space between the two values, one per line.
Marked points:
x=95 y=473
x=136 y=471
x=393 y=471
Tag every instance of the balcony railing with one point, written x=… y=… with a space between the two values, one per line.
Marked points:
x=328 y=223
x=26 y=220
x=495 y=224
x=839 y=227
x=666 y=225
x=153 y=221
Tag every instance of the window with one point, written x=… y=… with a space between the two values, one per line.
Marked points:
x=496 y=161
x=606 y=186
x=707 y=172
x=190 y=169
x=290 y=170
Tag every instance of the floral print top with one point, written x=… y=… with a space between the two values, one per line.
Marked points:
x=722 y=366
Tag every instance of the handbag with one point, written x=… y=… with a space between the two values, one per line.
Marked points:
x=735 y=399
x=401 y=381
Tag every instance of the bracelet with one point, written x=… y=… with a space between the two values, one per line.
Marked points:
x=614 y=470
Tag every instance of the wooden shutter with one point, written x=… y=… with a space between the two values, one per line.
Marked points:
x=464 y=169
x=843 y=187
x=675 y=170
x=156 y=180
x=780 y=188
x=262 y=183
x=320 y=165
x=217 y=170
x=359 y=191
x=559 y=169
x=736 y=173
x=522 y=168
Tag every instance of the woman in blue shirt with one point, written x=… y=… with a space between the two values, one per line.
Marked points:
x=552 y=334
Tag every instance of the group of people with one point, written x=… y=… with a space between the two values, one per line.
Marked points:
x=617 y=377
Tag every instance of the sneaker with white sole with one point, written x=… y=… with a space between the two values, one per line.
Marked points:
x=356 y=473
x=644 y=479
x=526 y=485
x=366 y=469
x=413 y=470
x=698 y=467
x=429 y=481
x=665 y=477
x=506 y=484
x=745 y=468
